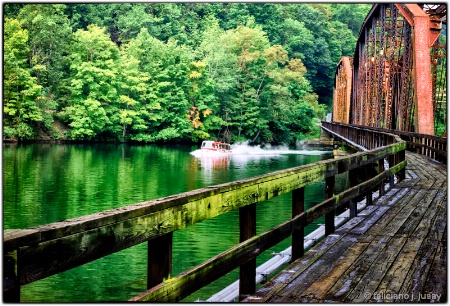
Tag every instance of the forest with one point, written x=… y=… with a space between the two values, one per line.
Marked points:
x=172 y=72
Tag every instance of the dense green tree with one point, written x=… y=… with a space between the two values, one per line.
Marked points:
x=11 y=10
x=49 y=33
x=330 y=41
x=290 y=102
x=130 y=23
x=133 y=95
x=263 y=84
x=166 y=21
x=203 y=114
x=246 y=46
x=352 y=15
x=21 y=93
x=168 y=66
x=94 y=59
x=101 y=14
x=233 y=15
x=296 y=38
x=173 y=71
x=49 y=30
x=270 y=17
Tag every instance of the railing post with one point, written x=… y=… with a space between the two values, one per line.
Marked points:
x=353 y=181
x=432 y=145
x=329 y=217
x=401 y=173
x=391 y=160
x=381 y=169
x=418 y=148
x=159 y=259
x=298 y=234
x=247 y=271
x=368 y=176
x=11 y=284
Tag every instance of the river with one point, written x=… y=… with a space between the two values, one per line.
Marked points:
x=44 y=183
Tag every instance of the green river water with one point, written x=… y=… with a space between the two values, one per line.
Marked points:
x=44 y=183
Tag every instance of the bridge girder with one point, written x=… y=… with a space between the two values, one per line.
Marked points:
x=395 y=78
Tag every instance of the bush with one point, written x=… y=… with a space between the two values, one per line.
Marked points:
x=9 y=132
x=24 y=131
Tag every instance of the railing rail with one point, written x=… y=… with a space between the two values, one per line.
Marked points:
x=41 y=251
x=431 y=146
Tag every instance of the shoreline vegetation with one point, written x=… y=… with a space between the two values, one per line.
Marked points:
x=172 y=72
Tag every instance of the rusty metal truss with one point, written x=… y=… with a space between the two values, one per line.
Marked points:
x=342 y=90
x=398 y=73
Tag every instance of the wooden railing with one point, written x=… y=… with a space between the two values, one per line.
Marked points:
x=428 y=145
x=35 y=253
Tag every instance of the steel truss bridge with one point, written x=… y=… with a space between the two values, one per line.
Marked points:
x=397 y=77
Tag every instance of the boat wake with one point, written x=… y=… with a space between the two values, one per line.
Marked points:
x=241 y=154
x=244 y=149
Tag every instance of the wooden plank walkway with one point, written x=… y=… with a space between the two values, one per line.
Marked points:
x=393 y=251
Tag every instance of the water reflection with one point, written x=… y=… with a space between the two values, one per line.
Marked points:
x=46 y=183
x=215 y=162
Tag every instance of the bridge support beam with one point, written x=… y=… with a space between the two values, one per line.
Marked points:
x=422 y=41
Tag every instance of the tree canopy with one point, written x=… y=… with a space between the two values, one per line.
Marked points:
x=152 y=72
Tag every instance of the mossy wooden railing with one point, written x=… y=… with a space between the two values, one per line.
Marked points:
x=35 y=253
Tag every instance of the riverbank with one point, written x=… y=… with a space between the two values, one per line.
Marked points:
x=43 y=137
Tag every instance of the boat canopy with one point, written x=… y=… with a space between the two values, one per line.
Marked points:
x=209 y=144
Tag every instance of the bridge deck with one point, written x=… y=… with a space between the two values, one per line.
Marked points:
x=393 y=251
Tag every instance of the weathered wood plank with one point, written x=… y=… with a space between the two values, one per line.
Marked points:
x=367 y=287
x=164 y=291
x=397 y=272
x=429 y=253
x=390 y=197
x=421 y=208
x=368 y=210
x=322 y=285
x=400 y=217
x=364 y=227
x=314 y=270
x=11 y=285
x=359 y=267
x=279 y=282
x=329 y=217
x=381 y=223
x=415 y=179
x=299 y=284
x=422 y=250
x=437 y=278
